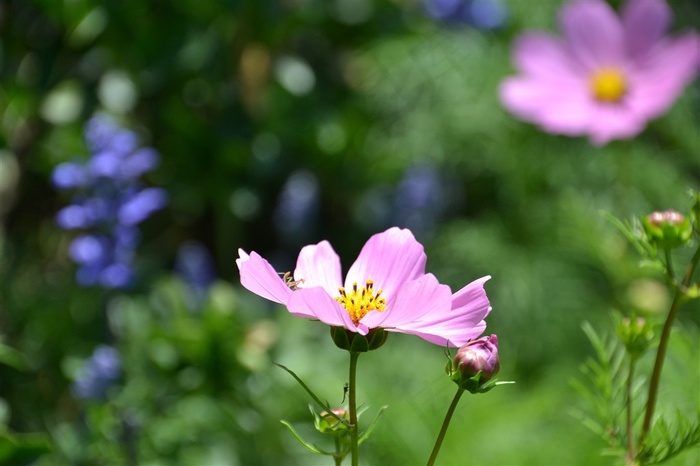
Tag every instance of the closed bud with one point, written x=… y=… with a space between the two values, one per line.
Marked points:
x=475 y=364
x=668 y=229
x=636 y=334
x=327 y=422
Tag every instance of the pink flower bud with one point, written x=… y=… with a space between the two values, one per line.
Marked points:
x=327 y=422
x=475 y=364
x=668 y=229
x=478 y=356
x=667 y=217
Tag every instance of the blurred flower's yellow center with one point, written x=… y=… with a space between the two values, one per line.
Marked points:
x=360 y=301
x=608 y=84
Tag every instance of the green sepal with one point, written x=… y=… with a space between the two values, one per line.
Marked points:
x=359 y=344
x=330 y=422
x=472 y=384
x=636 y=333
x=356 y=343
x=340 y=337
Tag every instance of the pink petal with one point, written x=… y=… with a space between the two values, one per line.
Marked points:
x=594 y=33
x=463 y=321
x=316 y=303
x=471 y=300
x=614 y=121
x=644 y=23
x=560 y=108
x=390 y=259
x=454 y=337
x=544 y=56
x=658 y=83
x=319 y=265
x=258 y=276
x=412 y=300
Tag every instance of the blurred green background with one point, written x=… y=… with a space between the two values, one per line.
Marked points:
x=283 y=123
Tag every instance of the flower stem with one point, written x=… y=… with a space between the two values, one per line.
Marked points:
x=631 y=453
x=663 y=345
x=338 y=457
x=353 y=408
x=445 y=425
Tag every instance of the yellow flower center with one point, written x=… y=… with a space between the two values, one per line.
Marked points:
x=360 y=301
x=608 y=84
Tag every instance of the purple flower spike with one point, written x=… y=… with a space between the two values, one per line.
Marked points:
x=68 y=175
x=140 y=162
x=89 y=249
x=98 y=374
x=116 y=276
x=107 y=164
x=72 y=217
x=140 y=206
x=110 y=200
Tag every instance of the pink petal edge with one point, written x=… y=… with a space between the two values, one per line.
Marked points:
x=258 y=276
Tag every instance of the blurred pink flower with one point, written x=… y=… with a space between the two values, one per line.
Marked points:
x=386 y=287
x=607 y=77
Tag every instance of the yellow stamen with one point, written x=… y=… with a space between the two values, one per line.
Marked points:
x=359 y=302
x=608 y=84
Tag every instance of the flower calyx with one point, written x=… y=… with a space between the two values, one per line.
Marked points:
x=357 y=343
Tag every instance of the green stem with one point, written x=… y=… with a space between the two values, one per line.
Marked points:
x=445 y=425
x=338 y=457
x=353 y=408
x=631 y=453
x=669 y=266
x=663 y=345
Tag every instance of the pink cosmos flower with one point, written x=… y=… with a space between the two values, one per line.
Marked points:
x=607 y=76
x=386 y=287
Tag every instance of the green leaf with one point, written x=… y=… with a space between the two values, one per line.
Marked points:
x=13 y=358
x=365 y=435
x=309 y=446
x=22 y=448
x=325 y=406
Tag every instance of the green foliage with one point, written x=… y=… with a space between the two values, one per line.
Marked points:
x=603 y=388
x=204 y=83
x=20 y=449
x=668 y=439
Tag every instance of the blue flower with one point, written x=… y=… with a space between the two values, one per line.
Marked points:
x=98 y=374
x=195 y=266
x=419 y=200
x=481 y=14
x=109 y=203
x=297 y=211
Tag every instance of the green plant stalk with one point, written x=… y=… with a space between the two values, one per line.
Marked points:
x=352 y=407
x=630 y=459
x=338 y=457
x=663 y=345
x=445 y=425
